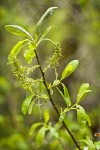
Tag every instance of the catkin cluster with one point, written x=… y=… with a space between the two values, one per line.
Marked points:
x=54 y=59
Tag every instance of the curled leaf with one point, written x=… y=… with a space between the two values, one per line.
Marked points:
x=42 y=19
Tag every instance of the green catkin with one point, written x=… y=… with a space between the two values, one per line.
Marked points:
x=54 y=59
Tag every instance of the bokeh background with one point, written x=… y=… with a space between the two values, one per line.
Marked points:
x=76 y=25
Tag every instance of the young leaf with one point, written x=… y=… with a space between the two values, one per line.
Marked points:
x=29 y=53
x=17 y=30
x=26 y=103
x=30 y=107
x=46 y=116
x=17 y=48
x=42 y=19
x=82 y=117
x=84 y=89
x=40 y=136
x=44 y=34
x=66 y=95
x=33 y=127
x=70 y=68
x=89 y=143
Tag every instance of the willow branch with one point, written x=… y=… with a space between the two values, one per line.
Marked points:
x=53 y=104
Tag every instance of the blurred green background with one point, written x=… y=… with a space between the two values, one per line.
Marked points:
x=76 y=24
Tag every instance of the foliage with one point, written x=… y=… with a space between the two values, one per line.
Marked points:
x=38 y=91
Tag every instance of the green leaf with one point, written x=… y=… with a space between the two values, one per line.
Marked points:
x=29 y=54
x=84 y=89
x=82 y=117
x=17 y=48
x=66 y=95
x=70 y=68
x=40 y=135
x=33 y=127
x=89 y=143
x=60 y=92
x=31 y=107
x=44 y=34
x=26 y=103
x=46 y=116
x=17 y=30
x=42 y=19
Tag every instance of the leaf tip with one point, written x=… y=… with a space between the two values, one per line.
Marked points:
x=76 y=61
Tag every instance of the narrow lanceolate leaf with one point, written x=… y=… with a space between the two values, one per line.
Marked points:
x=17 y=30
x=40 y=136
x=17 y=48
x=46 y=116
x=84 y=89
x=66 y=95
x=30 y=107
x=42 y=19
x=45 y=33
x=82 y=117
x=33 y=127
x=70 y=68
x=26 y=103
